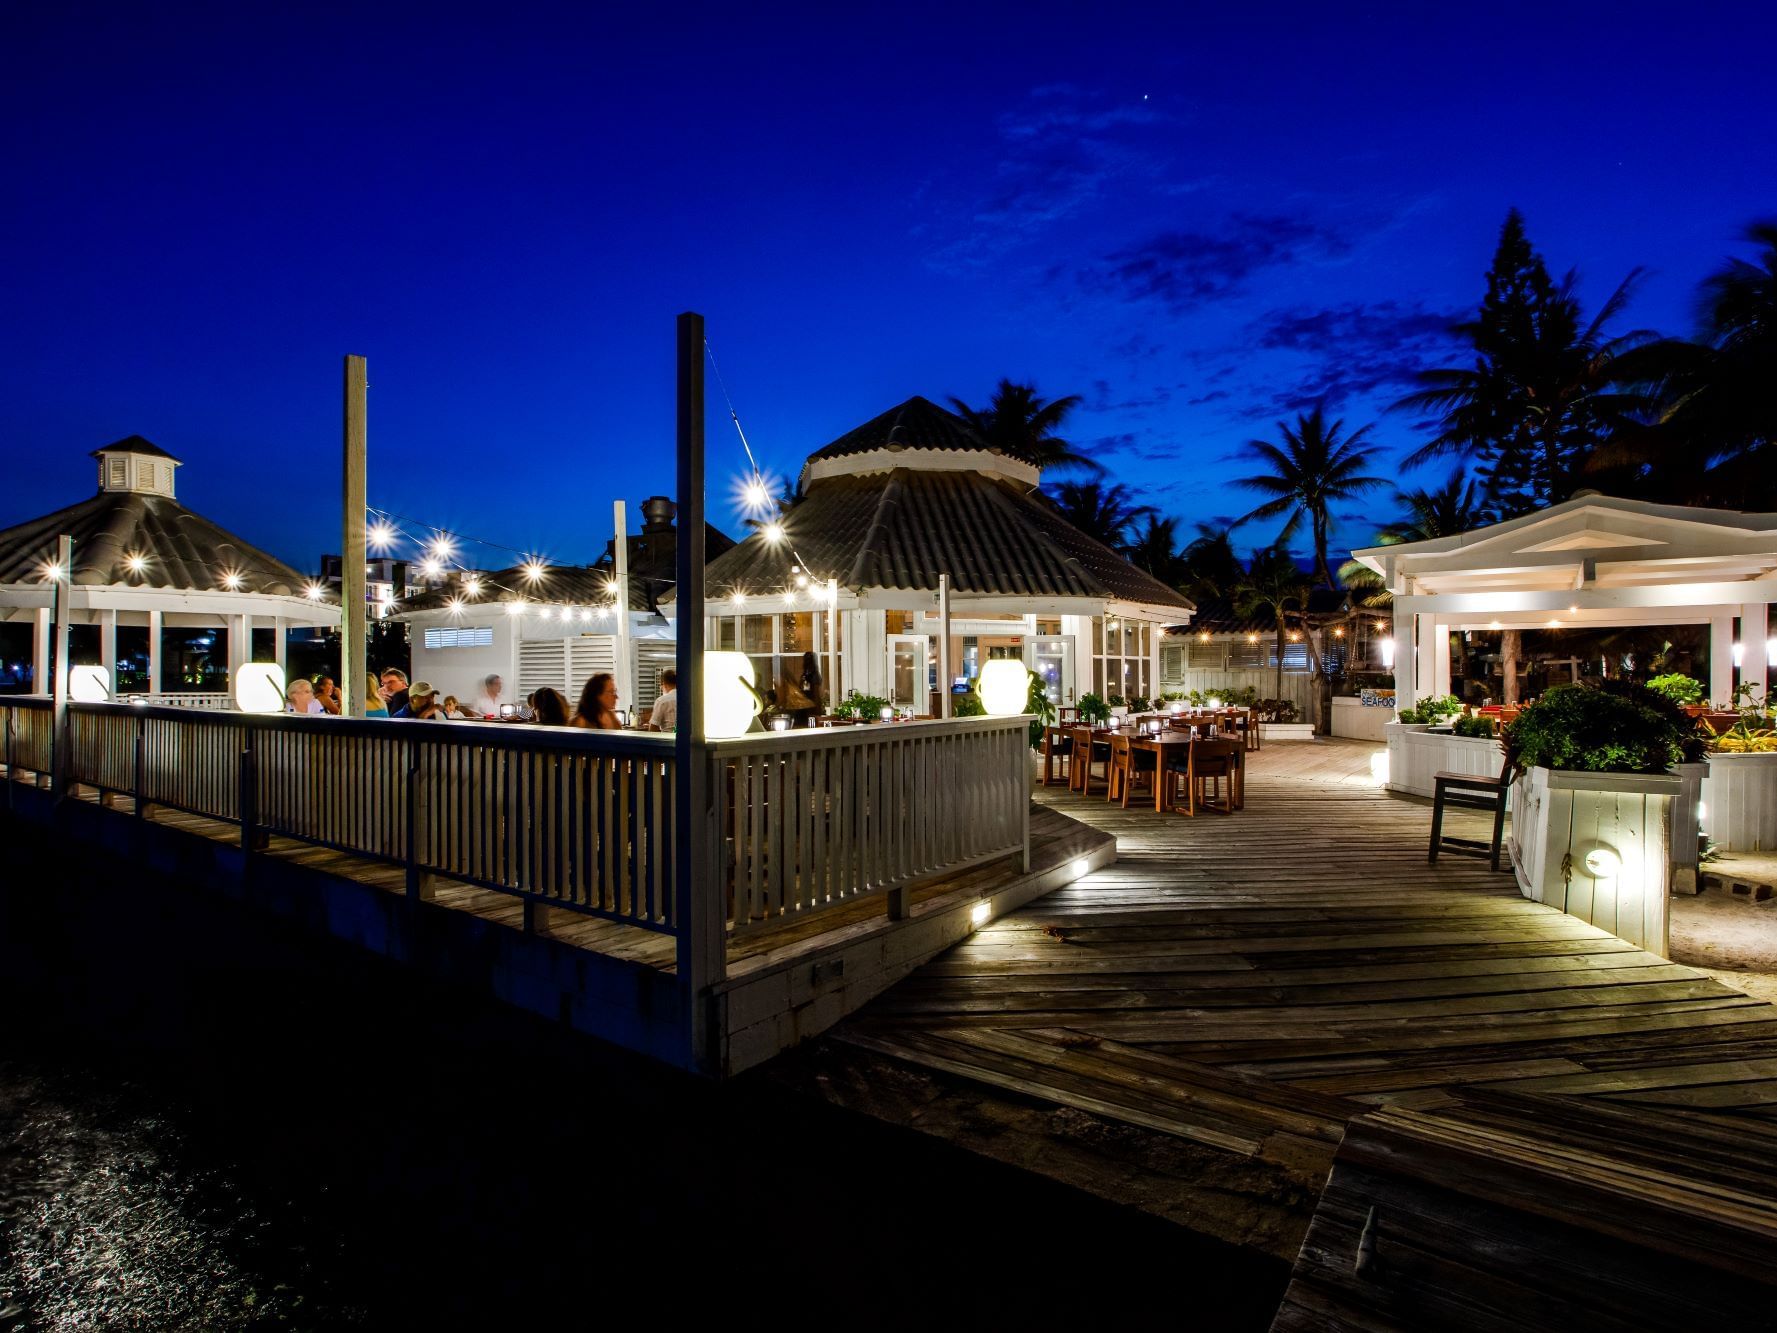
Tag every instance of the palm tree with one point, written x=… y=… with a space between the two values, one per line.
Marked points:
x=1316 y=466
x=1104 y=512
x=1155 y=549
x=1274 y=586
x=1714 y=436
x=1455 y=507
x=1210 y=567
x=1546 y=387
x=1019 y=422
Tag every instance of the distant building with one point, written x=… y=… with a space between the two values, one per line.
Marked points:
x=557 y=629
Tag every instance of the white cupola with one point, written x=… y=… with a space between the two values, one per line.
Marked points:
x=134 y=464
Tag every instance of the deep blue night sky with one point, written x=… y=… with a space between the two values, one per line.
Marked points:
x=1197 y=218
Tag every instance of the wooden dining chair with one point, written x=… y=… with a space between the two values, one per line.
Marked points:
x=1212 y=764
x=1058 y=748
x=1129 y=768
x=1086 y=751
x=1249 y=724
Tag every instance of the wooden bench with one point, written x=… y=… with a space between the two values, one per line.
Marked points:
x=1470 y=792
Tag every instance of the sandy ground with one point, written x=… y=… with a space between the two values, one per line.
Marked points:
x=1732 y=935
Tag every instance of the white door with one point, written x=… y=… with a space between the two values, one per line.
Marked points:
x=1051 y=656
x=908 y=683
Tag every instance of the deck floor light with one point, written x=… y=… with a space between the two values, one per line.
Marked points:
x=980 y=913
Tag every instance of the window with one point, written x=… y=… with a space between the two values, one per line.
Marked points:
x=1202 y=656
x=1248 y=652
x=480 y=636
x=1120 y=656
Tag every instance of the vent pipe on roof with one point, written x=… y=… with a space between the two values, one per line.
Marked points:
x=657 y=514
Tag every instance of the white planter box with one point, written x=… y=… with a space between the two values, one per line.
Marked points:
x=1416 y=755
x=1354 y=721
x=1286 y=731
x=1560 y=818
x=1740 y=802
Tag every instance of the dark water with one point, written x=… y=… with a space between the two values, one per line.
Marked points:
x=206 y=1123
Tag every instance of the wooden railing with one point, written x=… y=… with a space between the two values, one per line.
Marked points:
x=813 y=819
x=28 y=723
x=804 y=821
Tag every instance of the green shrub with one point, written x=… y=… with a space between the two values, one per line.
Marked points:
x=1679 y=688
x=1093 y=709
x=1139 y=704
x=968 y=705
x=1477 y=726
x=1615 y=727
x=864 y=707
x=1439 y=706
x=1041 y=709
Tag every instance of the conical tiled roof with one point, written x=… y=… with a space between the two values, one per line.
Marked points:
x=182 y=550
x=902 y=528
x=135 y=444
x=917 y=423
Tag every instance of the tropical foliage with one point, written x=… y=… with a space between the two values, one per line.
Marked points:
x=1314 y=465
x=1614 y=728
x=1021 y=423
x=1107 y=512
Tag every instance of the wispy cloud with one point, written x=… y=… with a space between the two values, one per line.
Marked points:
x=1063 y=151
x=1182 y=268
x=1358 y=348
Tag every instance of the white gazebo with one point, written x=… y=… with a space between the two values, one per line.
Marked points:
x=141 y=559
x=1590 y=562
x=916 y=545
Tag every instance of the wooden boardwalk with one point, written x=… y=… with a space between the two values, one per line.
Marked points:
x=1253 y=984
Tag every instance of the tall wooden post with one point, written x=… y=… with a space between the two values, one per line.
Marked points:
x=154 y=636
x=353 y=664
x=944 y=645
x=697 y=898
x=58 y=761
x=626 y=660
x=833 y=694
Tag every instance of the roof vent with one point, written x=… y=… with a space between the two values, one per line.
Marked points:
x=657 y=514
x=134 y=464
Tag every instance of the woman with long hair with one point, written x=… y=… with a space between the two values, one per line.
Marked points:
x=598 y=704
x=550 y=708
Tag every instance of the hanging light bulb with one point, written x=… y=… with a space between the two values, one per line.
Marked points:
x=380 y=534
x=755 y=495
x=454 y=606
x=532 y=569
x=515 y=608
x=313 y=591
x=737 y=597
x=773 y=532
x=51 y=570
x=472 y=586
x=442 y=549
x=549 y=613
x=231 y=580
x=431 y=568
x=135 y=563
x=802 y=580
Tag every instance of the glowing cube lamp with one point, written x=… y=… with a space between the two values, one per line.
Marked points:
x=729 y=701
x=89 y=684
x=1004 y=687
x=259 y=688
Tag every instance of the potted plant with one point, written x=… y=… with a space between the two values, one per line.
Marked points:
x=1739 y=791
x=1685 y=691
x=1094 y=711
x=863 y=707
x=1436 y=736
x=1592 y=801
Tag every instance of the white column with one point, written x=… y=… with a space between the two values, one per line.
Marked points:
x=1721 y=659
x=279 y=647
x=240 y=646
x=1754 y=629
x=1440 y=658
x=154 y=652
x=1426 y=651
x=108 y=644
x=1404 y=697
x=40 y=623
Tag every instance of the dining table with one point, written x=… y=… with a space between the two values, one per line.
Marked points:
x=1171 y=744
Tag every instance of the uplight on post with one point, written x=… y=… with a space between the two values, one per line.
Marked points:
x=730 y=702
x=1387 y=647
x=1004 y=687
x=259 y=688
x=89 y=684
x=1739 y=654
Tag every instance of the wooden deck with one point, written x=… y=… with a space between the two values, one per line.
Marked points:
x=1252 y=984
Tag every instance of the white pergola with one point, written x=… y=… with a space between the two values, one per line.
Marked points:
x=1591 y=562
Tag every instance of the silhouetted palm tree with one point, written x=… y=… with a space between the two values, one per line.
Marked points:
x=1105 y=512
x=1275 y=587
x=1715 y=435
x=1454 y=507
x=1211 y=567
x=1019 y=422
x=1546 y=387
x=1315 y=467
x=1155 y=549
